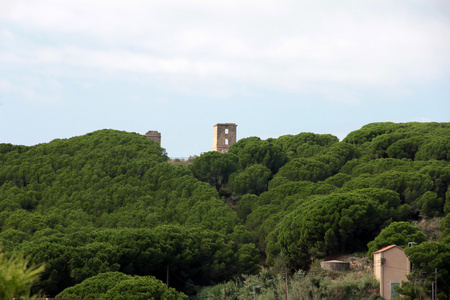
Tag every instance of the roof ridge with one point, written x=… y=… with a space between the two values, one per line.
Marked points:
x=387 y=248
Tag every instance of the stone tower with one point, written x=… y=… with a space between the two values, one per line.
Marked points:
x=154 y=136
x=224 y=136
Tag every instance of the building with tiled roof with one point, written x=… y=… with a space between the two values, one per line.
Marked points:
x=390 y=267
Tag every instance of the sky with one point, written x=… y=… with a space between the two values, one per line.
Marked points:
x=68 y=68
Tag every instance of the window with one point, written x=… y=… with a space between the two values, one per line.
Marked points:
x=226 y=130
x=226 y=141
x=393 y=291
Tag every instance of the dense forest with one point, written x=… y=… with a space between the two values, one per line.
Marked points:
x=108 y=215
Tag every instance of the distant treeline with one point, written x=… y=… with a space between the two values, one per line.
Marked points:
x=109 y=202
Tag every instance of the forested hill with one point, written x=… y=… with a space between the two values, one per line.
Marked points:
x=109 y=201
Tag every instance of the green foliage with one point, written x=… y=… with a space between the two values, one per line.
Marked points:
x=302 y=169
x=416 y=141
x=253 y=150
x=109 y=201
x=430 y=205
x=337 y=155
x=17 y=276
x=368 y=132
x=447 y=202
x=94 y=287
x=270 y=285
x=326 y=225
x=405 y=148
x=397 y=233
x=438 y=148
x=444 y=227
x=213 y=215
x=9 y=238
x=411 y=186
x=338 y=180
x=389 y=201
x=305 y=144
x=426 y=258
x=253 y=180
x=115 y=286
x=347 y=286
x=214 y=168
x=195 y=255
x=245 y=206
x=318 y=167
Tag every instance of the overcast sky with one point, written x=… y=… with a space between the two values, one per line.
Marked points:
x=179 y=67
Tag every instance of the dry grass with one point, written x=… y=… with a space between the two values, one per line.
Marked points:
x=430 y=227
x=181 y=161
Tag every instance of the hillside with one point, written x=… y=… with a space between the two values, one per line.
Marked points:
x=110 y=201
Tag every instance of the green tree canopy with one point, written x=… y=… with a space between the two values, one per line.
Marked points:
x=253 y=180
x=214 y=167
x=109 y=201
x=305 y=144
x=116 y=285
x=427 y=258
x=325 y=225
x=397 y=233
x=253 y=150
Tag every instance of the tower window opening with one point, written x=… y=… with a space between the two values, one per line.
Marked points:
x=226 y=130
x=226 y=141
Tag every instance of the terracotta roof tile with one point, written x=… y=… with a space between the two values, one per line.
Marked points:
x=387 y=248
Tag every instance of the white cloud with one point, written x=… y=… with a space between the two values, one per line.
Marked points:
x=5 y=85
x=421 y=120
x=296 y=45
x=41 y=90
x=5 y=34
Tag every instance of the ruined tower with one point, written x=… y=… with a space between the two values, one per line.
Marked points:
x=224 y=136
x=154 y=136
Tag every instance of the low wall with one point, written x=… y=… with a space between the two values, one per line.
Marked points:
x=335 y=265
